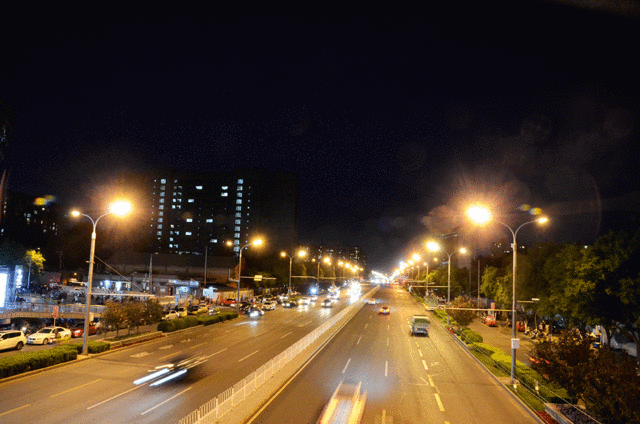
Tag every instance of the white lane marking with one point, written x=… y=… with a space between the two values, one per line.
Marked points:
x=387 y=341
x=370 y=316
x=162 y=403
x=420 y=352
x=171 y=354
x=358 y=342
x=240 y=360
x=15 y=409
x=425 y=364
x=220 y=351
x=166 y=347
x=365 y=326
x=431 y=381
x=387 y=326
x=116 y=396
x=140 y=355
x=440 y=405
x=286 y=334
x=386 y=368
x=384 y=416
x=307 y=323
x=345 y=367
x=197 y=345
x=75 y=388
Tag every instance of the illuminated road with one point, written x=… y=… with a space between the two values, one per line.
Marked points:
x=101 y=389
x=409 y=380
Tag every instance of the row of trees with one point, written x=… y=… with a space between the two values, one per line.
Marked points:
x=132 y=313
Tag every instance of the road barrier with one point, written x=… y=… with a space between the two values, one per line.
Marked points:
x=211 y=411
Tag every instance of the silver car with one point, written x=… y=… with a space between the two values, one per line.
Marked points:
x=48 y=335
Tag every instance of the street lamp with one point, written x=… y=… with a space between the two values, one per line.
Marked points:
x=435 y=247
x=301 y=254
x=481 y=216
x=118 y=208
x=256 y=242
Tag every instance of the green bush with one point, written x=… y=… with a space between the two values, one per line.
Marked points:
x=469 y=336
x=191 y=321
x=180 y=323
x=208 y=320
x=166 y=326
x=94 y=347
x=486 y=349
x=29 y=361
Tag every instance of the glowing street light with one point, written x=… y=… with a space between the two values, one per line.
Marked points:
x=482 y=215
x=120 y=208
x=256 y=242
x=301 y=254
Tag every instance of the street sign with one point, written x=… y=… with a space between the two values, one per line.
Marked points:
x=54 y=314
x=257 y=278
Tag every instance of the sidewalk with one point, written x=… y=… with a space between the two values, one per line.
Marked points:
x=500 y=337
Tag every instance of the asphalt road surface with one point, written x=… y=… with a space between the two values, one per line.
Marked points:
x=101 y=389
x=409 y=380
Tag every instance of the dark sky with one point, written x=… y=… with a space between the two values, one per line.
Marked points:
x=391 y=118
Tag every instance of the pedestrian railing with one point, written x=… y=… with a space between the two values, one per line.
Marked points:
x=215 y=408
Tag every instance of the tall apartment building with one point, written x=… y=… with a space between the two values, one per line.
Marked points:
x=191 y=212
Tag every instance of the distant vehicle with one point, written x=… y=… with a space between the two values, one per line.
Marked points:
x=172 y=314
x=229 y=302
x=327 y=303
x=78 y=330
x=213 y=310
x=12 y=339
x=254 y=311
x=182 y=311
x=269 y=305
x=48 y=335
x=420 y=325
x=385 y=310
x=313 y=297
x=371 y=301
x=345 y=406
x=198 y=309
x=305 y=301
x=290 y=303
x=490 y=320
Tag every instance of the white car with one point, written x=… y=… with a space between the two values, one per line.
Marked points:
x=305 y=301
x=12 y=339
x=269 y=305
x=48 y=335
x=172 y=314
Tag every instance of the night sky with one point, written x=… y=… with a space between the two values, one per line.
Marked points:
x=392 y=119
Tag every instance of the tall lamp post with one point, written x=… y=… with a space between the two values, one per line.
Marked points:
x=434 y=247
x=301 y=254
x=118 y=208
x=256 y=242
x=482 y=215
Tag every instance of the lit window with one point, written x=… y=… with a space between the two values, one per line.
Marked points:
x=213 y=241
x=161 y=200
x=239 y=188
x=173 y=206
x=240 y=181
x=238 y=221
x=224 y=194
x=190 y=200
x=236 y=235
x=159 y=226
x=159 y=233
x=160 y=213
x=170 y=245
x=187 y=233
x=198 y=187
x=159 y=219
x=163 y=181
x=209 y=220
x=238 y=208
x=189 y=219
x=238 y=201
x=170 y=238
x=225 y=187
x=162 y=194
x=238 y=215
x=236 y=229
x=239 y=194
x=161 y=207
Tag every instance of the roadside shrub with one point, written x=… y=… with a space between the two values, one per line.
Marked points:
x=94 y=347
x=208 y=320
x=486 y=349
x=191 y=321
x=30 y=361
x=167 y=326
x=180 y=323
x=469 y=336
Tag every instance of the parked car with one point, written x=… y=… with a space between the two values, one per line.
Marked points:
x=214 y=310
x=198 y=309
x=269 y=305
x=182 y=311
x=229 y=302
x=48 y=335
x=12 y=339
x=78 y=330
x=490 y=320
x=172 y=314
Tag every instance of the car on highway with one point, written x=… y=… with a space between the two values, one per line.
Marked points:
x=12 y=339
x=48 y=335
x=371 y=301
x=327 y=303
x=254 y=310
x=385 y=310
x=78 y=330
x=290 y=303
x=305 y=301
x=167 y=372
x=314 y=297
x=269 y=305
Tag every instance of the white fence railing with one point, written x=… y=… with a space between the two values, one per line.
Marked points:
x=215 y=408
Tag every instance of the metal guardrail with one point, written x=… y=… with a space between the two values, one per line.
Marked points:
x=215 y=408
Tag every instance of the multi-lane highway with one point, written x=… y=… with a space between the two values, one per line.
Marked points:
x=408 y=380
x=101 y=389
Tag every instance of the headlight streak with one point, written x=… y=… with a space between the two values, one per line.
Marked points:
x=151 y=376
x=168 y=378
